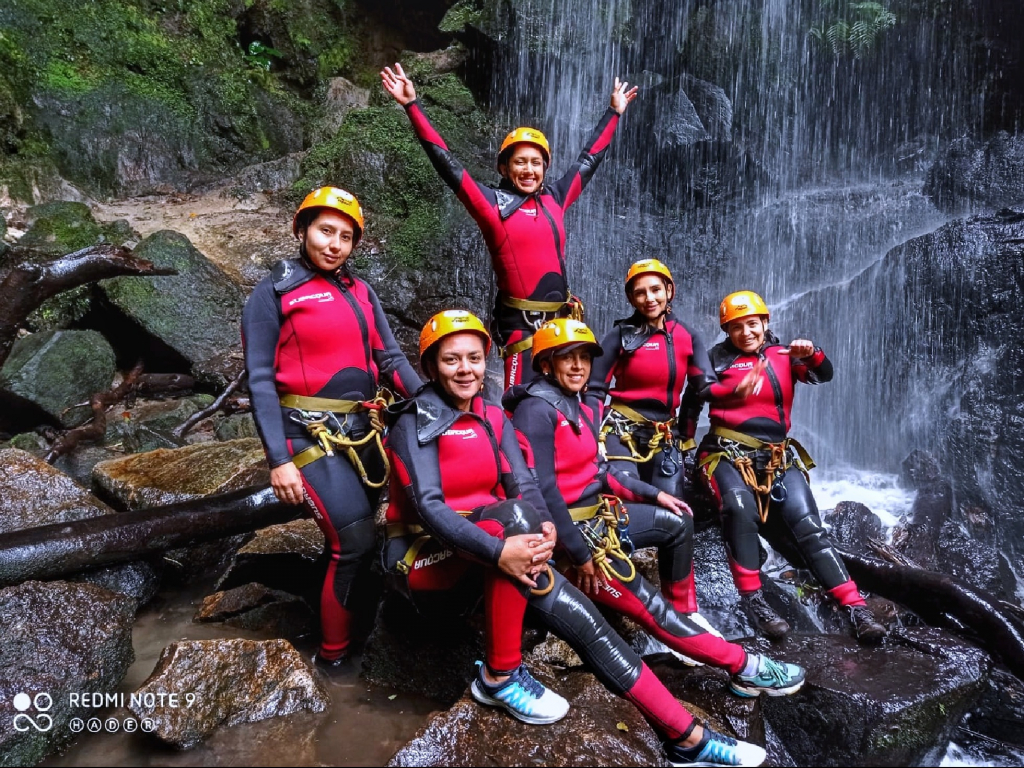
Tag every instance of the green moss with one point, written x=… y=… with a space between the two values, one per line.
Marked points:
x=460 y=15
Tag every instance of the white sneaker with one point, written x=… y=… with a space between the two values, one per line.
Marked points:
x=521 y=696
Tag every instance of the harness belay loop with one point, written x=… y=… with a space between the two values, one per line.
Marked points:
x=601 y=532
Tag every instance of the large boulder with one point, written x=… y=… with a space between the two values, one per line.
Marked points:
x=195 y=313
x=202 y=685
x=256 y=607
x=32 y=493
x=58 y=643
x=890 y=705
x=980 y=173
x=600 y=729
x=285 y=557
x=55 y=371
x=167 y=476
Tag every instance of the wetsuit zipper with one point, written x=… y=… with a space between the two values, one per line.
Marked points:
x=776 y=390
x=364 y=330
x=558 y=242
x=669 y=348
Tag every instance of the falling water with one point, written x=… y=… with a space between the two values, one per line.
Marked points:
x=758 y=157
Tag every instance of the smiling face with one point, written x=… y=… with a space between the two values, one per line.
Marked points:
x=650 y=295
x=524 y=168
x=747 y=333
x=328 y=239
x=571 y=371
x=460 y=366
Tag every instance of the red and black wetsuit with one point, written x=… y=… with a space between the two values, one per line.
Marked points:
x=765 y=415
x=525 y=234
x=316 y=334
x=560 y=432
x=644 y=369
x=446 y=462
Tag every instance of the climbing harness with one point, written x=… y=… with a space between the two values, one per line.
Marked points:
x=319 y=416
x=605 y=527
x=407 y=563
x=623 y=421
x=745 y=452
x=535 y=314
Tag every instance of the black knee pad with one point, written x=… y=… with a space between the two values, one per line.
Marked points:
x=569 y=614
x=515 y=515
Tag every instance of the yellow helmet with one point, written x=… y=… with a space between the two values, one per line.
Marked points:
x=741 y=304
x=648 y=267
x=564 y=334
x=337 y=200
x=448 y=322
x=527 y=136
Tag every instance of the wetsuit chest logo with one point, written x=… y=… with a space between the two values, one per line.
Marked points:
x=655 y=345
x=465 y=434
x=319 y=298
x=746 y=366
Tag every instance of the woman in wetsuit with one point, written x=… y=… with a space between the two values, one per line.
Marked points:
x=756 y=473
x=462 y=500
x=317 y=346
x=522 y=221
x=601 y=513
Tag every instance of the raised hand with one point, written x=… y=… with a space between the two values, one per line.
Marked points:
x=621 y=97
x=752 y=382
x=398 y=84
x=799 y=348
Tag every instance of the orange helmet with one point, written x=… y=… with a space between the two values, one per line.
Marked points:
x=337 y=200
x=563 y=334
x=448 y=322
x=648 y=267
x=741 y=304
x=527 y=136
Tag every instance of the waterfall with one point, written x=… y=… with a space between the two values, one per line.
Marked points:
x=755 y=157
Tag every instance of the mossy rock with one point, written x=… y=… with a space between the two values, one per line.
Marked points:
x=196 y=312
x=55 y=370
x=377 y=154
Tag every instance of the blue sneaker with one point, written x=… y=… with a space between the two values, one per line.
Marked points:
x=715 y=749
x=522 y=696
x=772 y=677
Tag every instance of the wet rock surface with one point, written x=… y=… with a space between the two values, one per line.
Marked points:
x=429 y=653
x=56 y=639
x=983 y=173
x=284 y=557
x=852 y=524
x=33 y=493
x=55 y=371
x=195 y=313
x=999 y=713
x=256 y=607
x=139 y=581
x=876 y=706
x=217 y=683
x=600 y=729
x=168 y=476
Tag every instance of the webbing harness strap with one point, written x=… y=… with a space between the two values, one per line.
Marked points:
x=623 y=420
x=599 y=525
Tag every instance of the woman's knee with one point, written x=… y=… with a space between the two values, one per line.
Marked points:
x=515 y=516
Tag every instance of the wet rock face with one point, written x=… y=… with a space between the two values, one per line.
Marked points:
x=55 y=370
x=852 y=524
x=254 y=606
x=469 y=734
x=430 y=653
x=983 y=173
x=57 y=639
x=139 y=581
x=165 y=476
x=196 y=313
x=32 y=493
x=999 y=713
x=282 y=557
x=200 y=686
x=876 y=706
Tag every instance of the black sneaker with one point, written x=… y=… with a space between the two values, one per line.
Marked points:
x=714 y=749
x=867 y=630
x=765 y=619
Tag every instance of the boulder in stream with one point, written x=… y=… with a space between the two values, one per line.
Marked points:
x=199 y=686
x=58 y=642
x=256 y=607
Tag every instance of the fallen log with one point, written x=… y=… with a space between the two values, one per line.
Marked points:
x=933 y=594
x=27 y=285
x=51 y=551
